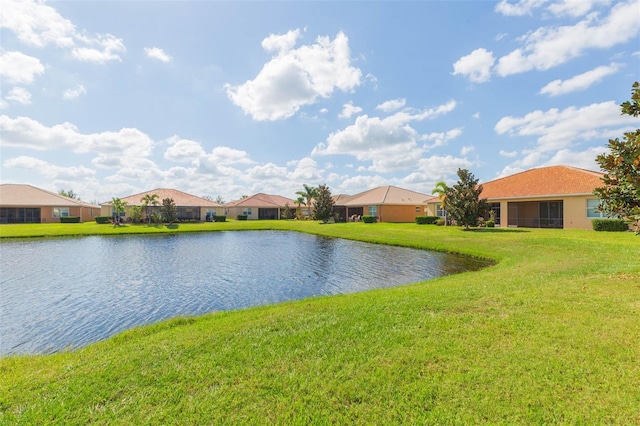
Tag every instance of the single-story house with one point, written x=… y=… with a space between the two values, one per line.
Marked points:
x=386 y=203
x=545 y=197
x=21 y=203
x=260 y=206
x=190 y=207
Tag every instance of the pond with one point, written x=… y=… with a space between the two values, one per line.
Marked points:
x=60 y=294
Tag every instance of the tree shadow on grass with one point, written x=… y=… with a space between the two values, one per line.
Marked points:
x=172 y=226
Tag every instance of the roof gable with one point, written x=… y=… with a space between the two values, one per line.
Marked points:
x=14 y=194
x=181 y=199
x=262 y=200
x=391 y=195
x=544 y=181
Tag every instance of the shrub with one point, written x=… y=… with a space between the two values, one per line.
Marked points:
x=219 y=218
x=242 y=217
x=440 y=222
x=426 y=220
x=103 y=219
x=490 y=224
x=611 y=225
x=369 y=219
x=70 y=219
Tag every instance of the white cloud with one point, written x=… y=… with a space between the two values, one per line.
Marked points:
x=508 y=154
x=441 y=138
x=19 y=95
x=585 y=159
x=574 y=8
x=519 y=8
x=183 y=150
x=348 y=110
x=227 y=156
x=557 y=129
x=38 y=24
x=70 y=94
x=389 y=143
x=579 y=82
x=48 y=170
x=467 y=149
x=125 y=147
x=392 y=105
x=476 y=66
x=281 y=42
x=545 y=48
x=157 y=53
x=296 y=77
x=18 y=68
x=476 y=115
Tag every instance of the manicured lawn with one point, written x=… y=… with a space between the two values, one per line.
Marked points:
x=548 y=335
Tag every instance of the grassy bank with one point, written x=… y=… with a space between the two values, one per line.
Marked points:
x=550 y=334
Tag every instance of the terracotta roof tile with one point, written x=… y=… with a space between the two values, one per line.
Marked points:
x=543 y=181
x=16 y=195
x=390 y=195
x=262 y=200
x=181 y=199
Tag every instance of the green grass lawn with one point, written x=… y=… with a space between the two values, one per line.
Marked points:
x=548 y=335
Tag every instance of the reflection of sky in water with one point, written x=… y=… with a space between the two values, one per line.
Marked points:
x=71 y=292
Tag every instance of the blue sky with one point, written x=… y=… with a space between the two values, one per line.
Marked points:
x=234 y=98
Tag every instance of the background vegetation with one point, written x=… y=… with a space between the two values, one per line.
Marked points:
x=549 y=335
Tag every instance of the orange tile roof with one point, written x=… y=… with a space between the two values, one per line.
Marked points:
x=22 y=195
x=542 y=182
x=390 y=195
x=262 y=200
x=181 y=199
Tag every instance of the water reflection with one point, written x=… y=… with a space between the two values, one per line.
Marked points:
x=56 y=294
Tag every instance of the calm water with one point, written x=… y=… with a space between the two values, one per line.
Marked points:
x=66 y=293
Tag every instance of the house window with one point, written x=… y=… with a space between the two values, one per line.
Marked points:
x=59 y=212
x=247 y=212
x=440 y=212
x=592 y=209
x=373 y=210
x=417 y=209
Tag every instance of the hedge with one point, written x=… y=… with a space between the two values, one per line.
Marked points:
x=369 y=219
x=611 y=225
x=219 y=218
x=103 y=219
x=426 y=220
x=242 y=217
x=70 y=219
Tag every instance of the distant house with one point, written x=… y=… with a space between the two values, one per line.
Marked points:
x=386 y=203
x=190 y=207
x=545 y=197
x=27 y=204
x=260 y=206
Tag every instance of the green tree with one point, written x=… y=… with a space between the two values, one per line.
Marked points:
x=299 y=201
x=68 y=194
x=309 y=193
x=441 y=191
x=135 y=212
x=324 y=204
x=287 y=213
x=118 y=207
x=620 y=195
x=463 y=200
x=149 y=200
x=169 y=210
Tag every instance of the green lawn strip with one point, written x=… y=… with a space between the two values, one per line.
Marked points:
x=550 y=334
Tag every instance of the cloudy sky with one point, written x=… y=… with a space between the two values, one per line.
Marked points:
x=234 y=98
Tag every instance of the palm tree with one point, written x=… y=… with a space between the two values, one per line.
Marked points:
x=309 y=193
x=149 y=199
x=441 y=190
x=298 y=201
x=118 y=207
